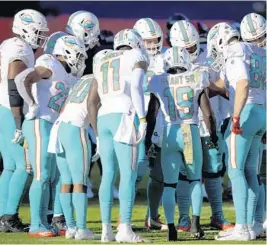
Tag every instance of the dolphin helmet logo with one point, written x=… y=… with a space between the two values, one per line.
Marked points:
x=70 y=42
x=26 y=18
x=87 y=24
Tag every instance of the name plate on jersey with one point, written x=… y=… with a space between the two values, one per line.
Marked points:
x=188 y=143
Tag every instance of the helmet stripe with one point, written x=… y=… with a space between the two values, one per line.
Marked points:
x=150 y=26
x=184 y=33
x=250 y=24
x=121 y=36
x=175 y=55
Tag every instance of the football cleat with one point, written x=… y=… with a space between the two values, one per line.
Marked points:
x=156 y=224
x=195 y=229
x=238 y=233
x=70 y=233
x=60 y=224
x=126 y=234
x=107 y=233
x=220 y=222
x=42 y=231
x=2 y=225
x=259 y=230
x=84 y=234
x=12 y=223
x=184 y=224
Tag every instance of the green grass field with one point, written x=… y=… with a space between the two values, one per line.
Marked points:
x=94 y=223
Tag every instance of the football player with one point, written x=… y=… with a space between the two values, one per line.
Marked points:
x=45 y=88
x=74 y=159
x=120 y=76
x=184 y=34
x=152 y=36
x=85 y=26
x=181 y=92
x=253 y=30
x=243 y=66
x=17 y=54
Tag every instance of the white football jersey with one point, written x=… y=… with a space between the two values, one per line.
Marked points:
x=246 y=61
x=51 y=93
x=113 y=75
x=214 y=101
x=10 y=50
x=178 y=94
x=76 y=109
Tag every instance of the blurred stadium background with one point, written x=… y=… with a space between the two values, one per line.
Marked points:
x=118 y=15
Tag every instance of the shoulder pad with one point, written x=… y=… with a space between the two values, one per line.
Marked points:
x=17 y=49
x=140 y=55
x=235 y=50
x=48 y=61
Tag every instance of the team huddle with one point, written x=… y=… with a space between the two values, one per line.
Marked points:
x=176 y=112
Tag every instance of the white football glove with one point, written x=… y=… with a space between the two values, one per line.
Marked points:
x=32 y=113
x=141 y=134
x=18 y=137
x=96 y=156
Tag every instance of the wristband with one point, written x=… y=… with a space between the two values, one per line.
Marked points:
x=235 y=119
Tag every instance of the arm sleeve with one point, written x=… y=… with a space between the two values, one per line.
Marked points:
x=15 y=99
x=137 y=92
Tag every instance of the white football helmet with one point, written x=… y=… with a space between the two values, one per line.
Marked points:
x=51 y=41
x=176 y=57
x=128 y=37
x=85 y=26
x=149 y=30
x=99 y=56
x=31 y=26
x=73 y=51
x=253 y=27
x=217 y=43
x=184 y=34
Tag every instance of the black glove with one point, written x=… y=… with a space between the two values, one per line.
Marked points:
x=212 y=142
x=152 y=151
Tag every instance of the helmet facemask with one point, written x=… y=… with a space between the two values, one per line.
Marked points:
x=76 y=64
x=217 y=59
x=261 y=41
x=153 y=46
x=91 y=39
x=31 y=25
x=193 y=51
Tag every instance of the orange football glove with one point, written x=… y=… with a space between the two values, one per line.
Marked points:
x=236 y=129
